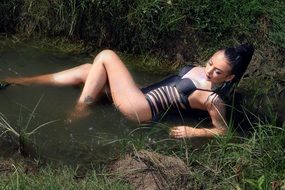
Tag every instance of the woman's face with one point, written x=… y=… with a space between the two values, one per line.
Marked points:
x=217 y=69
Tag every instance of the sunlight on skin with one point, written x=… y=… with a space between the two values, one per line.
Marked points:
x=218 y=128
x=107 y=68
x=217 y=71
x=188 y=132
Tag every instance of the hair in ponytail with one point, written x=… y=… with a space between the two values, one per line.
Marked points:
x=238 y=58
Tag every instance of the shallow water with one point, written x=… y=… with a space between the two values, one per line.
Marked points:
x=92 y=138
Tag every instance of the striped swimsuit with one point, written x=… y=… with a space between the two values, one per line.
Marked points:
x=172 y=92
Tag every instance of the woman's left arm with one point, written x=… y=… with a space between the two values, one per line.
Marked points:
x=217 y=112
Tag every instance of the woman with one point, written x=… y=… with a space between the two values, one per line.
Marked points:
x=202 y=88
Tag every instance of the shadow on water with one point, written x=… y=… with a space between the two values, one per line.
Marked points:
x=90 y=139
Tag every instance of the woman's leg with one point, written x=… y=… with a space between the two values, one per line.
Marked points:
x=108 y=68
x=73 y=76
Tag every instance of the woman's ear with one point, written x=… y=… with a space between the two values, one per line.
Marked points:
x=230 y=77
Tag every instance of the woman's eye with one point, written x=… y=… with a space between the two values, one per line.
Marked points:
x=218 y=72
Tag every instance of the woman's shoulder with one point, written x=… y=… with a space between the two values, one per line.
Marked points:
x=185 y=69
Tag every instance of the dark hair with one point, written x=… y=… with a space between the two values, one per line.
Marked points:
x=238 y=58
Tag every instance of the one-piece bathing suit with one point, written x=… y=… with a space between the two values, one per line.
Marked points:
x=170 y=92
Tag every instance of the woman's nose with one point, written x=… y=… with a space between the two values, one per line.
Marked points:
x=210 y=70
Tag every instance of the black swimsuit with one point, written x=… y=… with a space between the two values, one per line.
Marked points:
x=170 y=92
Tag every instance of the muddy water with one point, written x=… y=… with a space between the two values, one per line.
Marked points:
x=92 y=138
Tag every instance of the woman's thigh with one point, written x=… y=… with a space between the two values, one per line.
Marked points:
x=127 y=97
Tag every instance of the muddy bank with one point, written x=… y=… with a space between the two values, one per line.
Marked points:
x=150 y=170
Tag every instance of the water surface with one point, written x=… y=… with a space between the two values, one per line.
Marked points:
x=92 y=138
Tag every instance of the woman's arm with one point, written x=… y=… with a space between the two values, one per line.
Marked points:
x=217 y=112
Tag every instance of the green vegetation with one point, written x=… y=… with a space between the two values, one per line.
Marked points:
x=21 y=175
x=174 y=31
x=255 y=161
x=163 y=32
x=152 y=25
x=21 y=134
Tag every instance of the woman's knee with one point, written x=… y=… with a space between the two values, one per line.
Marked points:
x=84 y=71
x=107 y=53
x=108 y=56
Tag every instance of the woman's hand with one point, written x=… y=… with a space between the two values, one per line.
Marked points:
x=182 y=132
x=188 y=132
x=216 y=109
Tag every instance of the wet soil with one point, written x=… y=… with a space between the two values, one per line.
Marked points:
x=148 y=170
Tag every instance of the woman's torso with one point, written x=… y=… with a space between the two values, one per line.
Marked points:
x=189 y=88
x=202 y=90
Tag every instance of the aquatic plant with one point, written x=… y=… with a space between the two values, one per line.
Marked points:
x=6 y=127
x=22 y=133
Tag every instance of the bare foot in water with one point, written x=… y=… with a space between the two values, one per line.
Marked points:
x=79 y=112
x=4 y=84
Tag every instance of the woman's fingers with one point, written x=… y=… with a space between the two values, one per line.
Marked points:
x=179 y=132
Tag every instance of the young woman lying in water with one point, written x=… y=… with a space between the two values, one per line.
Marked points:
x=202 y=88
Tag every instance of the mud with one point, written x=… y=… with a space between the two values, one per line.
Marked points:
x=150 y=171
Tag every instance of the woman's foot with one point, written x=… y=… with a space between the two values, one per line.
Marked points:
x=79 y=112
x=4 y=84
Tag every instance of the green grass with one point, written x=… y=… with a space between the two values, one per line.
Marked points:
x=158 y=30
x=253 y=161
x=59 y=177
x=230 y=162
x=20 y=134
x=150 y=26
